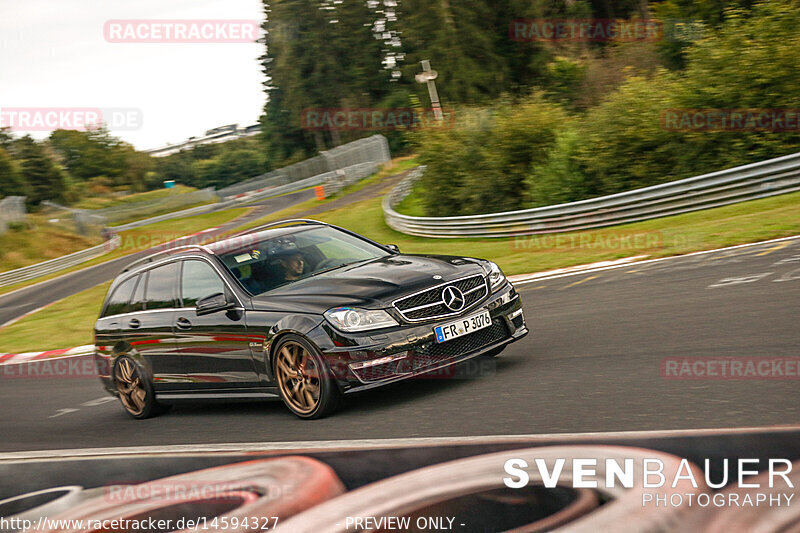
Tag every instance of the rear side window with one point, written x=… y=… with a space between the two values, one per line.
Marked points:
x=160 y=292
x=118 y=302
x=137 y=302
x=199 y=280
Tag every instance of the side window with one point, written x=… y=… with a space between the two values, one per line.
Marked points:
x=198 y=281
x=118 y=302
x=160 y=292
x=137 y=302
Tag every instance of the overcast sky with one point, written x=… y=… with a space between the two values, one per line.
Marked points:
x=53 y=54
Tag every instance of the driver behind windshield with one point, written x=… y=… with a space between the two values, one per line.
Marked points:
x=292 y=264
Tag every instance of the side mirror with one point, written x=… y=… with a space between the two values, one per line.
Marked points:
x=212 y=304
x=394 y=248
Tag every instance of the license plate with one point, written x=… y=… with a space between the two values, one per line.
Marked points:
x=462 y=326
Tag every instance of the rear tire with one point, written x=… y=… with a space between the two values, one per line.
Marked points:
x=304 y=380
x=135 y=389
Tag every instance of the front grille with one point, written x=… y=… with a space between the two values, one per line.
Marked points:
x=430 y=304
x=435 y=353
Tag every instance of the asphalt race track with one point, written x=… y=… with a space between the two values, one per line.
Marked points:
x=591 y=363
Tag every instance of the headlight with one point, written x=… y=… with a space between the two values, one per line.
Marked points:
x=352 y=319
x=496 y=276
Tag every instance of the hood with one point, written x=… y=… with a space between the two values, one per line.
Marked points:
x=372 y=285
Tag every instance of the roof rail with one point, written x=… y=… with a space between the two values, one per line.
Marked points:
x=152 y=257
x=294 y=221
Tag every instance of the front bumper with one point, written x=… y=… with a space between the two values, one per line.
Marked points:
x=363 y=362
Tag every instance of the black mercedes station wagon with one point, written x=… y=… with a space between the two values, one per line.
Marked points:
x=298 y=309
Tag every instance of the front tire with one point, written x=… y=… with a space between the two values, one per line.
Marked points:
x=304 y=380
x=135 y=390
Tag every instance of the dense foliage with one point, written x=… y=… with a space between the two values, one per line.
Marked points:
x=747 y=59
x=535 y=122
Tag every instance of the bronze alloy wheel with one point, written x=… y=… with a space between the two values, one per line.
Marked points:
x=303 y=379
x=135 y=390
x=130 y=387
x=298 y=377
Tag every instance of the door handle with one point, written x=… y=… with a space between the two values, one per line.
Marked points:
x=184 y=323
x=134 y=323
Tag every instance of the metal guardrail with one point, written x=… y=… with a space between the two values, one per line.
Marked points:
x=748 y=182
x=54 y=265
x=174 y=200
x=339 y=179
x=374 y=149
x=12 y=209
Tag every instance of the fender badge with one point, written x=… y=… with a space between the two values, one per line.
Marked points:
x=437 y=276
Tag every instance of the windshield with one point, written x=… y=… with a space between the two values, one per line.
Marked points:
x=278 y=260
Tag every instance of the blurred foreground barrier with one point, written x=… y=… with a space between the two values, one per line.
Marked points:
x=764 y=517
x=248 y=496
x=35 y=505
x=757 y=180
x=473 y=490
x=54 y=265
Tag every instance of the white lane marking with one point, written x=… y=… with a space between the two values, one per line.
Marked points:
x=536 y=276
x=790 y=276
x=90 y=403
x=99 y=401
x=24 y=315
x=235 y=447
x=793 y=259
x=726 y=282
x=545 y=275
x=63 y=411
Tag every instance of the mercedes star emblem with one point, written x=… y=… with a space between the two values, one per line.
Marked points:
x=453 y=298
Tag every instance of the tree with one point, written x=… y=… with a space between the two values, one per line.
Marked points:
x=319 y=54
x=11 y=181
x=482 y=164
x=6 y=139
x=44 y=178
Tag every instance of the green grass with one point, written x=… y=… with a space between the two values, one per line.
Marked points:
x=752 y=221
x=73 y=318
x=399 y=164
x=39 y=241
x=102 y=202
x=413 y=204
